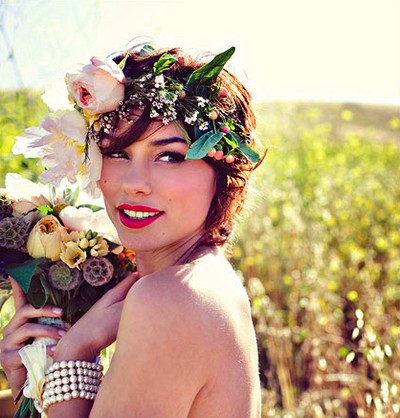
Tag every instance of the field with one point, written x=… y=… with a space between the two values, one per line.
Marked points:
x=318 y=250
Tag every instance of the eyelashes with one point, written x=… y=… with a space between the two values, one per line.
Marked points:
x=170 y=157
x=115 y=155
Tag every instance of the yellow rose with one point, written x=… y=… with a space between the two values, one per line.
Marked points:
x=46 y=238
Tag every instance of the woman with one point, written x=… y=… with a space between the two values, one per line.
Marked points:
x=177 y=144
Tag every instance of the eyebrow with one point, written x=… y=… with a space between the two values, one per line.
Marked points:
x=167 y=141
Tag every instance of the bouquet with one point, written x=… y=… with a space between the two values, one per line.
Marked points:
x=60 y=252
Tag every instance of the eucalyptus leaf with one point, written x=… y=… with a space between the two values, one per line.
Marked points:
x=203 y=145
x=208 y=73
x=23 y=273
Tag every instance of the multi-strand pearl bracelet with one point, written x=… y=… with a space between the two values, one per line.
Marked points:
x=68 y=380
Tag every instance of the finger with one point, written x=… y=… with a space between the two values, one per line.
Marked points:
x=11 y=360
x=120 y=291
x=27 y=312
x=17 y=339
x=50 y=349
x=18 y=294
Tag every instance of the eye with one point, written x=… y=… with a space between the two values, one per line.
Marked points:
x=116 y=155
x=171 y=157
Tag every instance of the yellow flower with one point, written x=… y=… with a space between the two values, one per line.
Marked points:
x=45 y=239
x=100 y=249
x=73 y=255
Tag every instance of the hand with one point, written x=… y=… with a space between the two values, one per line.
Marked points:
x=19 y=330
x=98 y=328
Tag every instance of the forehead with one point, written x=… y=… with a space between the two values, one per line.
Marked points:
x=140 y=128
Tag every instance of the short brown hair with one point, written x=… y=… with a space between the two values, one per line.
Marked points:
x=231 y=179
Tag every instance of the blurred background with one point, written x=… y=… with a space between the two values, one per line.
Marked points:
x=319 y=246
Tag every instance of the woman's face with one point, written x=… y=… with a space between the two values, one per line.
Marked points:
x=156 y=198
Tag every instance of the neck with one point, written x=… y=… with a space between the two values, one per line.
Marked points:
x=179 y=253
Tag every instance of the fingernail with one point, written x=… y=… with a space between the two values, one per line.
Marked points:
x=57 y=311
x=61 y=332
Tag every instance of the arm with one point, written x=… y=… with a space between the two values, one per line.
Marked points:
x=18 y=331
x=94 y=331
x=162 y=359
x=164 y=354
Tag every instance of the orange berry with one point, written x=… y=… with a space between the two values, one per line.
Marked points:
x=212 y=152
x=230 y=158
x=219 y=155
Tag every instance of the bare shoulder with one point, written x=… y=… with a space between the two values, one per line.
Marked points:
x=187 y=343
x=205 y=293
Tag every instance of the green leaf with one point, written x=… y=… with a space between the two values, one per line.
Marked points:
x=248 y=152
x=23 y=273
x=25 y=408
x=93 y=208
x=70 y=196
x=208 y=73
x=38 y=294
x=203 y=145
x=146 y=49
x=231 y=141
x=122 y=63
x=163 y=63
x=45 y=209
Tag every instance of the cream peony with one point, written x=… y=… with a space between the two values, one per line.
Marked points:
x=60 y=143
x=46 y=238
x=98 y=87
x=83 y=219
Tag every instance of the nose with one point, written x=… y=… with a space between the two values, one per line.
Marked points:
x=136 y=180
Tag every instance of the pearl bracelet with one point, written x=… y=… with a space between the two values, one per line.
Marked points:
x=68 y=380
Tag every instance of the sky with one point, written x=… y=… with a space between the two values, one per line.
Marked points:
x=311 y=50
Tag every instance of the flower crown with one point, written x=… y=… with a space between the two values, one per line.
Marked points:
x=101 y=95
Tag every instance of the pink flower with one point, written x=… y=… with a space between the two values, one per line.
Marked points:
x=98 y=87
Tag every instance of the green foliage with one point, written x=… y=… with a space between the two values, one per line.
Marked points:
x=208 y=73
x=18 y=110
x=320 y=255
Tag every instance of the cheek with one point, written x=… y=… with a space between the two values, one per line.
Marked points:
x=106 y=181
x=197 y=194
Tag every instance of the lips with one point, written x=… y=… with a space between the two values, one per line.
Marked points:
x=138 y=216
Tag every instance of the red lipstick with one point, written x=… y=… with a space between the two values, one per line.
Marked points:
x=137 y=216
